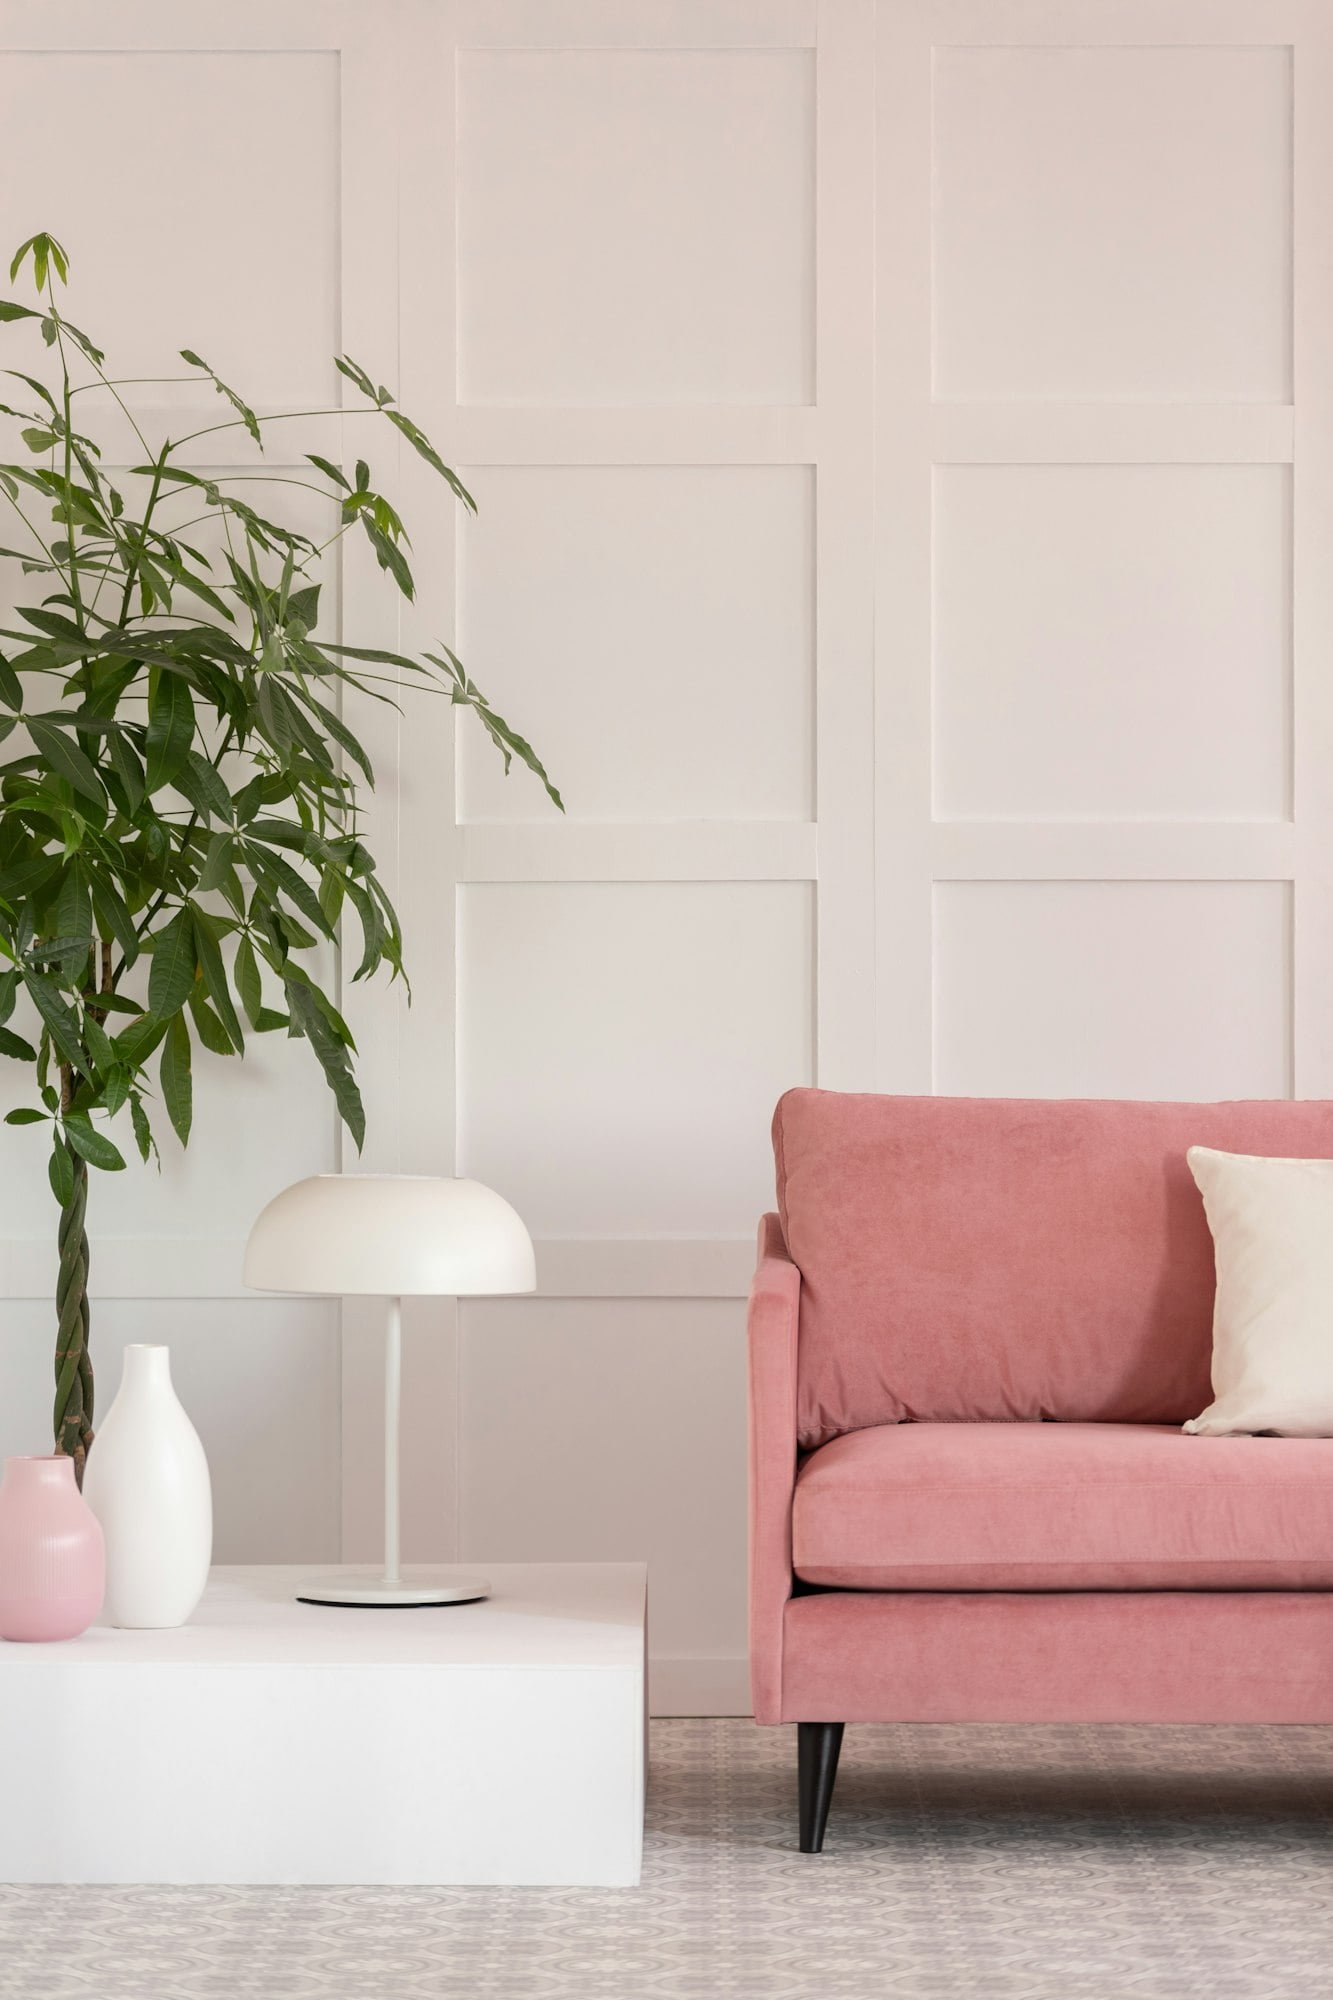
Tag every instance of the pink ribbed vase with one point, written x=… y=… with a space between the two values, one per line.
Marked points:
x=52 y=1559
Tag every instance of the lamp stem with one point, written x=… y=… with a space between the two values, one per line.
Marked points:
x=393 y=1396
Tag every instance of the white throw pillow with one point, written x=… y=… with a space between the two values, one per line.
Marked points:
x=1272 y=1224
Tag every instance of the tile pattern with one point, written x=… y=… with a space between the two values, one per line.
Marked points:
x=1019 y=1864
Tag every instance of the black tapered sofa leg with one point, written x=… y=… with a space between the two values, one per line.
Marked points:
x=817 y=1747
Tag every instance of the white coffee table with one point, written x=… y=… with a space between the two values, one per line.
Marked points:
x=271 y=1741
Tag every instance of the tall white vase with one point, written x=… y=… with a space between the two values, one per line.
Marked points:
x=147 y=1483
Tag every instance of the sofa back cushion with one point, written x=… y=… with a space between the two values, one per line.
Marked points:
x=991 y=1259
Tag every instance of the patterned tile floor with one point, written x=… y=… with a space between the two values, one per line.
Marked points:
x=1000 y=1863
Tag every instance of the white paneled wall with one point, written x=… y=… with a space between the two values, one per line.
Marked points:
x=903 y=434
x=1104 y=783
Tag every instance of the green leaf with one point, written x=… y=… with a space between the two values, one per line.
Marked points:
x=53 y=623
x=72 y=914
x=272 y=712
x=272 y=870
x=217 y=862
x=296 y=936
x=14 y=1045
x=39 y=389
x=243 y=410
x=389 y=556
x=127 y=767
x=170 y=727
x=332 y=1058
x=249 y=984
x=143 y=1132
x=80 y=339
x=203 y=787
x=375 y=655
x=508 y=742
x=203 y=590
x=264 y=917
x=172 y=977
x=329 y=470
x=421 y=444
x=136 y=1043
x=26 y=878
x=210 y=1029
x=66 y=759
x=331 y=891
x=45 y=250
x=70 y=954
x=62 y=1023
x=174 y=1073
x=60 y=1173
x=113 y=915
x=11 y=692
x=90 y=1144
x=115 y=1089
x=374 y=930
x=100 y=1046
x=25 y=1116
x=355 y=373
x=215 y=976
x=303 y=605
x=341 y=735
x=286 y=833
x=261 y=791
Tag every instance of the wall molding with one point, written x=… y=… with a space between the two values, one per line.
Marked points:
x=672 y=851
x=1112 y=433
x=739 y=435
x=177 y=1267
x=1113 y=850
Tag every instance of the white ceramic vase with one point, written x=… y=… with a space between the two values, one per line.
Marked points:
x=147 y=1482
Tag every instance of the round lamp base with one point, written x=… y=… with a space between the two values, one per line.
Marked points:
x=374 y=1591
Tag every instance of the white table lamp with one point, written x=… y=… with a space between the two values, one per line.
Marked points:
x=390 y=1236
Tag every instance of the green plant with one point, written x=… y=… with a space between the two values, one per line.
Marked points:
x=179 y=826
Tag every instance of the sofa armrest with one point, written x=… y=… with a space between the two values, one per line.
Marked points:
x=775 y=1297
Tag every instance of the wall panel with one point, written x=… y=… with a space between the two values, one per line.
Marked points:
x=623 y=1044
x=652 y=239
x=675 y=603
x=1111 y=222
x=1112 y=642
x=1112 y=989
x=170 y=227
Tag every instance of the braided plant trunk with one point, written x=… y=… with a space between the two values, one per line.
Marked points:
x=74 y=1369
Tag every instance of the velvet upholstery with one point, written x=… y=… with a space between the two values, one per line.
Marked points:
x=1089 y=1656
x=988 y=1259
x=943 y=1275
x=1064 y=1507
x=774 y=1302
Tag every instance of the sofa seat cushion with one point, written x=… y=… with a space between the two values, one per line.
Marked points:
x=1063 y=1506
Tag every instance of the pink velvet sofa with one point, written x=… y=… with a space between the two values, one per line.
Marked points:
x=976 y=1328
